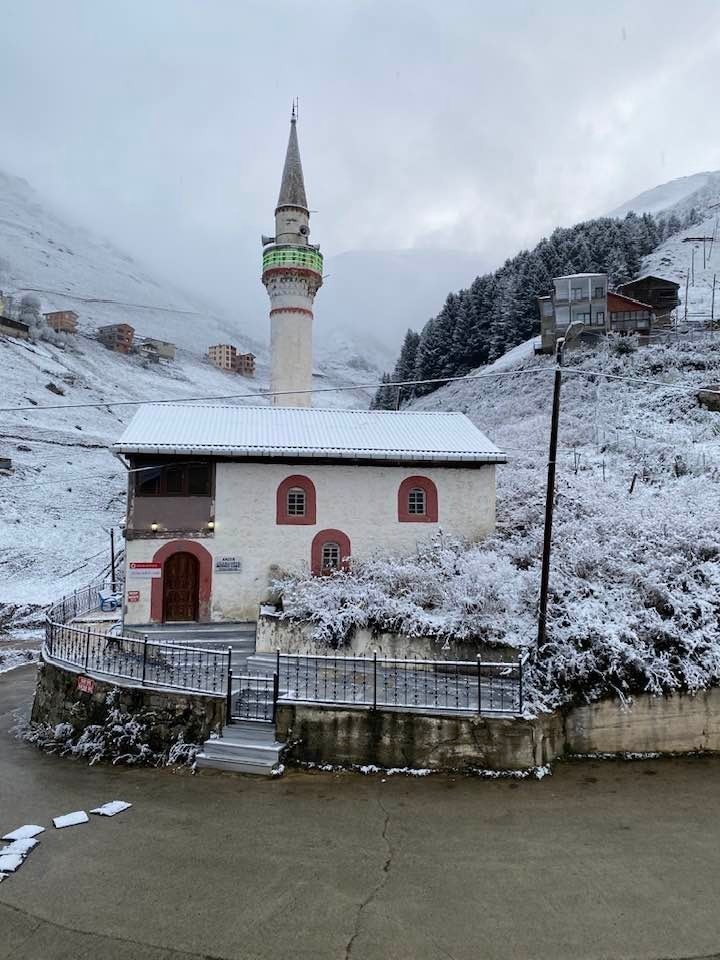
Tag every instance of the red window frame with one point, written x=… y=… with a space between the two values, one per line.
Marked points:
x=281 y=504
x=329 y=536
x=431 y=500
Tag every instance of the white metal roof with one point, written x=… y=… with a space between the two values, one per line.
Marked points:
x=295 y=432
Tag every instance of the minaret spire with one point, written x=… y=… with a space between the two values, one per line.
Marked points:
x=292 y=275
x=292 y=186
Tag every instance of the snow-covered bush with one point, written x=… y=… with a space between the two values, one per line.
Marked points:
x=121 y=738
x=635 y=576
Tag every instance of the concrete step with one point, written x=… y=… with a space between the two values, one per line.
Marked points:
x=246 y=746
x=256 y=730
x=258 y=768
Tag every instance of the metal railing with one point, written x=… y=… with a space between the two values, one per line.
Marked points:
x=137 y=659
x=253 y=697
x=373 y=682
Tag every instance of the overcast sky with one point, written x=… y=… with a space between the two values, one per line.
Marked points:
x=460 y=124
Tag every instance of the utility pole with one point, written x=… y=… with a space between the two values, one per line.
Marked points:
x=550 y=498
x=687 y=284
x=712 y=306
x=112 y=558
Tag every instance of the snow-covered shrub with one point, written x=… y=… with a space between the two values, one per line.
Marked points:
x=635 y=576
x=121 y=738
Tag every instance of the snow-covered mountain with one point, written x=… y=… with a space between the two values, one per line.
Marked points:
x=66 y=490
x=693 y=263
x=682 y=191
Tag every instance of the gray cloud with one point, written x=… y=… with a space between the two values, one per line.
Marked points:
x=470 y=126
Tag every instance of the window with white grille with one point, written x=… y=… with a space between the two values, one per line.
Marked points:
x=296 y=502
x=331 y=556
x=416 y=501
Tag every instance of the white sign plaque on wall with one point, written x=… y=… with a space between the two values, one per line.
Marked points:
x=228 y=565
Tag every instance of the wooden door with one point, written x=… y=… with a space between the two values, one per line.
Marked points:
x=181 y=584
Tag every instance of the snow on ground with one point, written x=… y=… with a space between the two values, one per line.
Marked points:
x=635 y=577
x=666 y=195
x=66 y=490
x=11 y=658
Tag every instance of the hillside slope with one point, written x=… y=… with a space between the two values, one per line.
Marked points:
x=635 y=574
x=66 y=490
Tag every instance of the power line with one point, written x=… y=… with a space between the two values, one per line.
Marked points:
x=276 y=393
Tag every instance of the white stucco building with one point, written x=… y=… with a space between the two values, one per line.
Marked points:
x=221 y=499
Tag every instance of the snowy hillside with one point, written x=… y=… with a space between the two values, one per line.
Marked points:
x=635 y=580
x=66 y=491
x=668 y=195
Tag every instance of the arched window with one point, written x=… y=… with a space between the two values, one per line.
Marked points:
x=417 y=501
x=330 y=551
x=296 y=501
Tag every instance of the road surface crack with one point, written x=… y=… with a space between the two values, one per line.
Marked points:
x=382 y=880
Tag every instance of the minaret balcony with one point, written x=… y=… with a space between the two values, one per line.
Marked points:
x=301 y=258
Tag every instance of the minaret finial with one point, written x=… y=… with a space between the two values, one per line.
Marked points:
x=295 y=110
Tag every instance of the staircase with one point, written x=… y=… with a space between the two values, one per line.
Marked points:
x=246 y=746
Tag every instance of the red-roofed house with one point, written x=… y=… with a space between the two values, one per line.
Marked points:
x=629 y=316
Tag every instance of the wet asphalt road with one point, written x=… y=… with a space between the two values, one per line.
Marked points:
x=601 y=860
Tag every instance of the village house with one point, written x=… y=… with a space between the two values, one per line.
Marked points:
x=661 y=294
x=117 y=337
x=14 y=328
x=221 y=499
x=245 y=364
x=164 y=349
x=582 y=308
x=148 y=352
x=62 y=321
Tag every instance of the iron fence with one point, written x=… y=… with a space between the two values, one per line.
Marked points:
x=372 y=682
x=253 y=697
x=147 y=662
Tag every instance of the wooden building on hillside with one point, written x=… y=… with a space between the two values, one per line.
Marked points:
x=661 y=294
x=117 y=337
x=62 y=321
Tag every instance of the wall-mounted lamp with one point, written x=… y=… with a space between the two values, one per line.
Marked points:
x=211 y=524
x=153 y=527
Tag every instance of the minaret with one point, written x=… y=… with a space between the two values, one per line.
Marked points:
x=292 y=274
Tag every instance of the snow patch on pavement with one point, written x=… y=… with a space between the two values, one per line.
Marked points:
x=71 y=819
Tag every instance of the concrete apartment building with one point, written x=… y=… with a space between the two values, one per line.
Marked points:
x=222 y=355
x=62 y=321
x=245 y=364
x=117 y=337
x=582 y=301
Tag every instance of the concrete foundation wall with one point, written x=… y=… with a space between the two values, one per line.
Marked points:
x=390 y=738
x=58 y=700
x=293 y=636
x=652 y=724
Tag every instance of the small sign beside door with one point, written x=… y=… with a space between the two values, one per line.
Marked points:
x=133 y=596
x=228 y=565
x=151 y=570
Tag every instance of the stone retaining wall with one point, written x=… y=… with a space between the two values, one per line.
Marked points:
x=58 y=699
x=293 y=636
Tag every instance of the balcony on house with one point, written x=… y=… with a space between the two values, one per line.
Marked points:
x=170 y=496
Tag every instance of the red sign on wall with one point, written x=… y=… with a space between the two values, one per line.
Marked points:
x=139 y=569
x=133 y=596
x=85 y=685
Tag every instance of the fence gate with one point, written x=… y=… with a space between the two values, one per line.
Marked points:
x=252 y=697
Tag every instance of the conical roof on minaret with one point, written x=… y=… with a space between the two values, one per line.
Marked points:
x=292 y=188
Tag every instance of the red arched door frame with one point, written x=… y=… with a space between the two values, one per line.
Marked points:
x=205 y=563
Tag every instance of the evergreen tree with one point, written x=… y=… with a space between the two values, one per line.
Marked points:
x=385 y=396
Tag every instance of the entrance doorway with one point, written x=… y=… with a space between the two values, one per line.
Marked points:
x=181 y=588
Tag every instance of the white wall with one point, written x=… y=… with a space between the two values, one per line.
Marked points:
x=361 y=501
